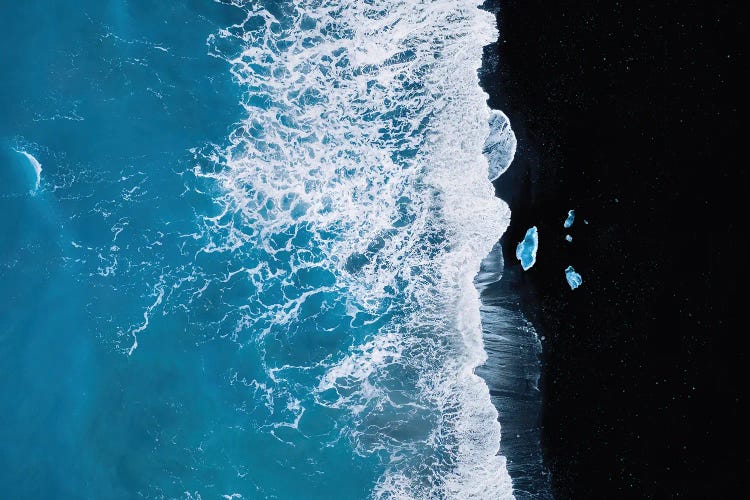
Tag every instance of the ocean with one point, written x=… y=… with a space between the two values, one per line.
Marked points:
x=238 y=250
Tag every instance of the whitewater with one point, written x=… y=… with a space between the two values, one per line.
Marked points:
x=362 y=150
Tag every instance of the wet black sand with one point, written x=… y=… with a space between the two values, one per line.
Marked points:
x=634 y=115
x=512 y=374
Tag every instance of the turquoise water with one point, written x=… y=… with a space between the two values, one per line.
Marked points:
x=237 y=251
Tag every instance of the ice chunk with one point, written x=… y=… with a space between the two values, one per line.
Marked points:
x=526 y=250
x=500 y=146
x=574 y=279
x=568 y=238
x=571 y=218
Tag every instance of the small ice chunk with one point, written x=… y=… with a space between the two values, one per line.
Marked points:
x=568 y=238
x=526 y=249
x=500 y=146
x=571 y=218
x=574 y=279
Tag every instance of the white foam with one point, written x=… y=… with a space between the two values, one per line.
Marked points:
x=36 y=166
x=134 y=331
x=363 y=144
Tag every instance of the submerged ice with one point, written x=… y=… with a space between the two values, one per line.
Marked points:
x=526 y=249
x=36 y=166
x=574 y=279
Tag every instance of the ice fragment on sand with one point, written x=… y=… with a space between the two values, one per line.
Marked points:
x=526 y=249
x=570 y=219
x=574 y=279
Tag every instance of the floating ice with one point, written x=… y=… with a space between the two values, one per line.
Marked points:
x=571 y=218
x=574 y=279
x=568 y=238
x=500 y=146
x=35 y=165
x=526 y=249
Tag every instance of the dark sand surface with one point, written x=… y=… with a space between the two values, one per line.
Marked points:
x=633 y=114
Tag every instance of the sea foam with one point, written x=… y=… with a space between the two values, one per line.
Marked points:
x=357 y=183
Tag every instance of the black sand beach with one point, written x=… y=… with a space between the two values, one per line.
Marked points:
x=635 y=116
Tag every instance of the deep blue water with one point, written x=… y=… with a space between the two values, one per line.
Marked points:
x=247 y=266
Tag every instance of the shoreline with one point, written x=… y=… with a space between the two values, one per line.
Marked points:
x=512 y=370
